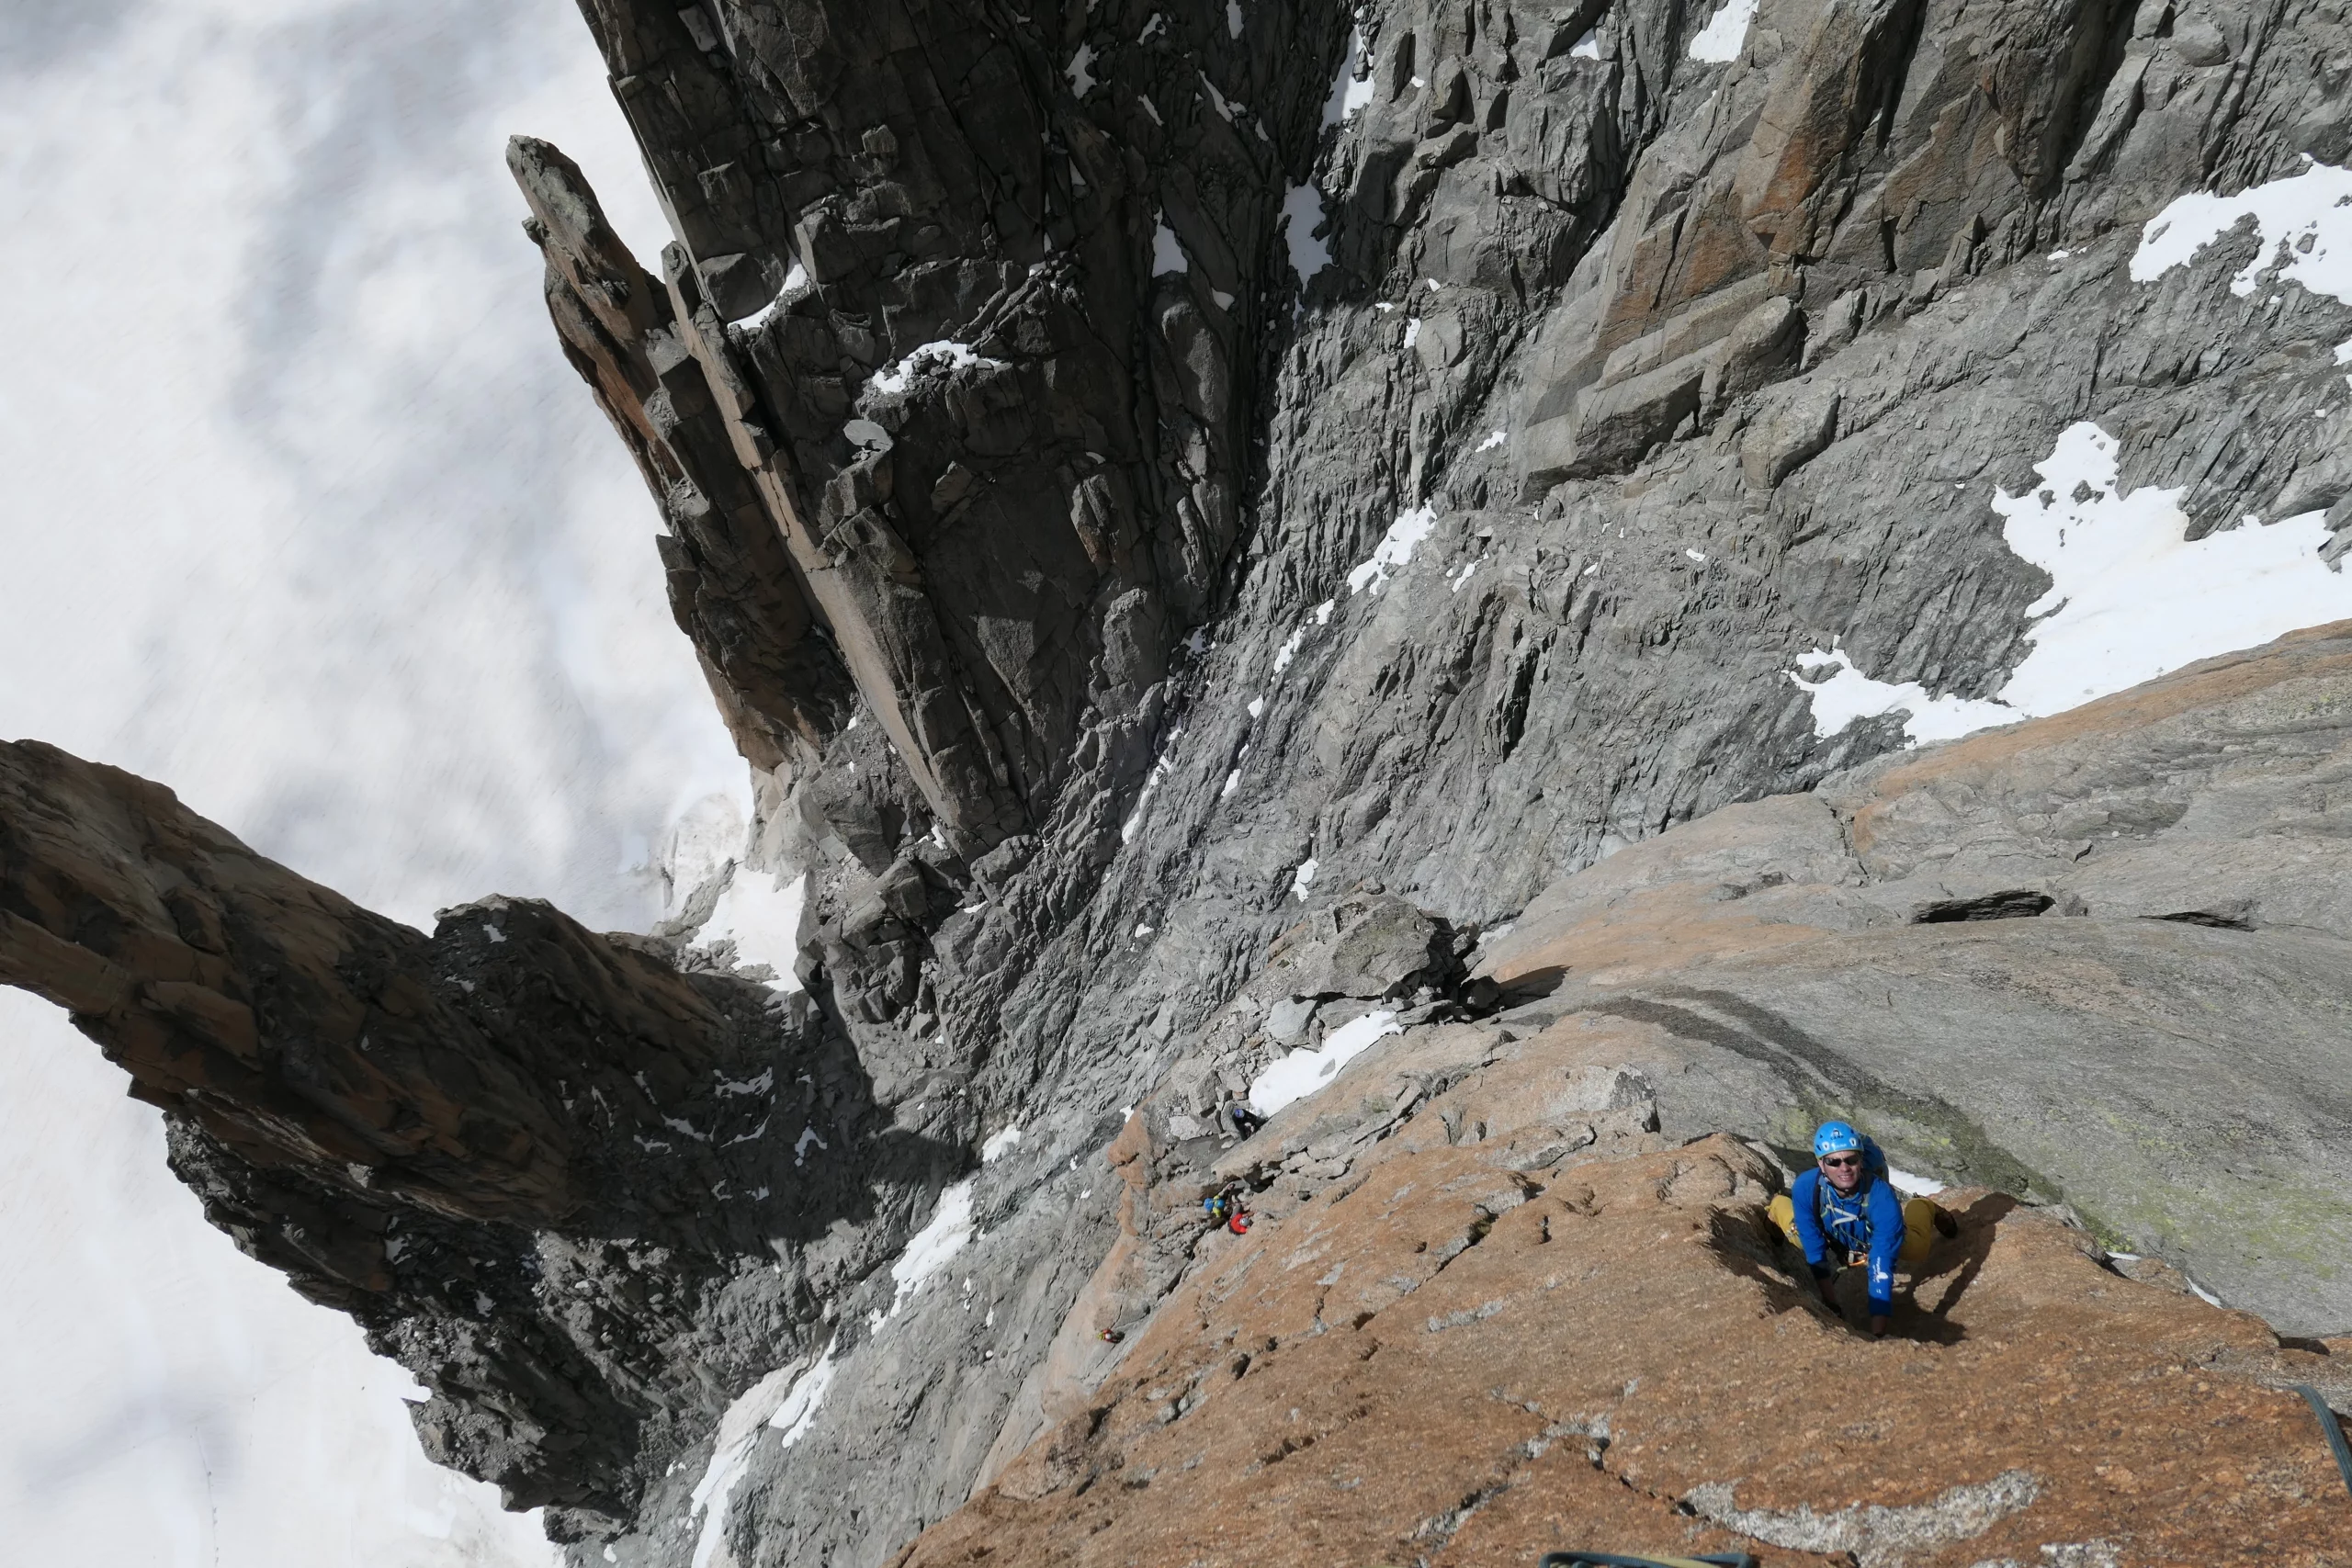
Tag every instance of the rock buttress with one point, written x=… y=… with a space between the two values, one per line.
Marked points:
x=552 y=1174
x=977 y=340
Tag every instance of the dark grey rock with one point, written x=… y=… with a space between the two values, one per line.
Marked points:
x=1067 y=602
x=1774 y=314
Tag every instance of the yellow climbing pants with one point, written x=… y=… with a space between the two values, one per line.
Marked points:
x=1919 y=1235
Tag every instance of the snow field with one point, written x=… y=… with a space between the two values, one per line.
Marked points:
x=1302 y=212
x=2132 y=596
x=1351 y=89
x=1167 y=255
x=945 y=1235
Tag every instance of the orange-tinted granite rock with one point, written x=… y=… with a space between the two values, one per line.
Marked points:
x=1449 y=1360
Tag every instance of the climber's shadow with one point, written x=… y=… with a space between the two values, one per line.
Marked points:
x=1923 y=1313
x=1951 y=1269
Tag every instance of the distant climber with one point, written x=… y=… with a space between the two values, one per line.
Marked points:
x=1224 y=1208
x=1243 y=1120
x=1846 y=1212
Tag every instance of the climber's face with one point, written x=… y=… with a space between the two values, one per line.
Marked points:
x=1843 y=1171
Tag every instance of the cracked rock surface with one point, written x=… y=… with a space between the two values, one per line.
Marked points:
x=1227 y=529
x=1474 y=1353
x=551 y=1172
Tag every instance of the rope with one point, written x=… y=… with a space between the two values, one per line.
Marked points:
x=2333 y=1427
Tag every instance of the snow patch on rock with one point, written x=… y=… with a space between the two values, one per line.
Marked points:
x=2303 y=223
x=1912 y=1185
x=1167 y=255
x=1843 y=693
x=1288 y=651
x=942 y=1238
x=1301 y=1073
x=932 y=359
x=1352 y=89
x=1160 y=769
x=763 y=920
x=2131 y=597
x=1394 y=551
x=1302 y=211
x=1719 y=41
x=789 y=1399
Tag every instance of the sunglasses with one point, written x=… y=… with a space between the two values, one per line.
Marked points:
x=1841 y=1161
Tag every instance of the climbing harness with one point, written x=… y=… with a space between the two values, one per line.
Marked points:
x=2333 y=1427
x=1608 y=1560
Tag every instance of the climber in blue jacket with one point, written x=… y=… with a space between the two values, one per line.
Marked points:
x=1845 y=1211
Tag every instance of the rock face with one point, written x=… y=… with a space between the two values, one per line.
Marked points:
x=547 y=1171
x=2099 y=957
x=1478 y=1353
x=1580 y=385
x=1231 y=529
x=995 y=393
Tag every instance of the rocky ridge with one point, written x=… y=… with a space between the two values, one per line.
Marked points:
x=1476 y=1352
x=1139 y=476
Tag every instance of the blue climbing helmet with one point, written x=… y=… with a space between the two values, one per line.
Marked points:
x=1835 y=1138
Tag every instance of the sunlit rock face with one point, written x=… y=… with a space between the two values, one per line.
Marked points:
x=1451 y=446
x=1198 y=516
x=1475 y=1353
